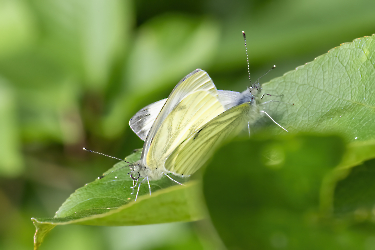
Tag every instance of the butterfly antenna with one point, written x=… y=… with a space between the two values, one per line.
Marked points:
x=247 y=56
x=101 y=177
x=274 y=66
x=105 y=155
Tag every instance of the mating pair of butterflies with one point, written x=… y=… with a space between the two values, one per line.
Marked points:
x=181 y=132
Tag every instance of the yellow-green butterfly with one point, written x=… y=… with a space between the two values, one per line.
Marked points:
x=192 y=103
x=180 y=141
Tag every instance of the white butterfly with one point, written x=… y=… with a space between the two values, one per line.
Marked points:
x=142 y=121
x=192 y=103
x=184 y=129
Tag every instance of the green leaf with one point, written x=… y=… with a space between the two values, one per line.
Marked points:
x=109 y=201
x=267 y=205
x=355 y=155
x=358 y=152
x=355 y=194
x=41 y=230
x=332 y=93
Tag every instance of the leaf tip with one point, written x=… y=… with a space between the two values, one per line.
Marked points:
x=41 y=230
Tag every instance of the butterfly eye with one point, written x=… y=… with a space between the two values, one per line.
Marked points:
x=131 y=176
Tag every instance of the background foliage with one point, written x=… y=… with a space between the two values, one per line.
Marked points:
x=72 y=73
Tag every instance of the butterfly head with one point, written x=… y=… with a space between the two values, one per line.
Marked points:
x=251 y=94
x=135 y=170
x=255 y=89
x=138 y=170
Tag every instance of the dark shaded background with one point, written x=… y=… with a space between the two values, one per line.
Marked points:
x=72 y=73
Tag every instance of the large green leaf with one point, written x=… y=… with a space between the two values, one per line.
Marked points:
x=355 y=195
x=109 y=201
x=332 y=93
x=357 y=153
x=334 y=199
x=267 y=205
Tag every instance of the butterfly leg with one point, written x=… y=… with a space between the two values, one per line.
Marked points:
x=248 y=128
x=149 y=186
x=133 y=187
x=139 y=186
x=276 y=101
x=173 y=179
x=271 y=95
x=273 y=120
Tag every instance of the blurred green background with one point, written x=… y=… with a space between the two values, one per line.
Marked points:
x=72 y=73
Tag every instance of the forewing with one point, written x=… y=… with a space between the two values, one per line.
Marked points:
x=191 y=154
x=190 y=114
x=198 y=80
x=142 y=121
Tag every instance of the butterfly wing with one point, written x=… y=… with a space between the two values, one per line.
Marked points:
x=186 y=101
x=192 y=113
x=142 y=121
x=191 y=154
